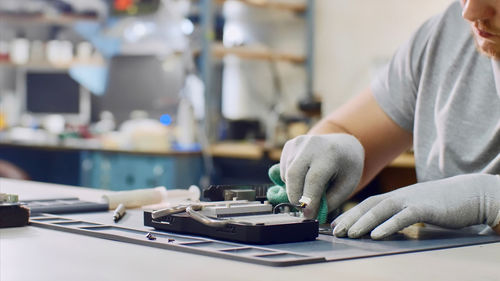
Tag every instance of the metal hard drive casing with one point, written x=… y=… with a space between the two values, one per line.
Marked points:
x=254 y=229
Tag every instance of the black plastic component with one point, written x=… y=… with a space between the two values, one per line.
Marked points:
x=216 y=192
x=310 y=106
x=13 y=214
x=250 y=234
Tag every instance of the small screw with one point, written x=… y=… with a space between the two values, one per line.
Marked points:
x=150 y=236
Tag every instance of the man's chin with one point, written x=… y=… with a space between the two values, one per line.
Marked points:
x=489 y=50
x=494 y=54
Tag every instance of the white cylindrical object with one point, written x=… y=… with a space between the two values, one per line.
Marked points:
x=52 y=50
x=37 y=52
x=193 y=193
x=136 y=198
x=237 y=102
x=66 y=52
x=20 y=51
x=186 y=124
x=84 y=51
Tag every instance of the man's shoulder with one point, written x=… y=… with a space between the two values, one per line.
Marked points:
x=453 y=15
x=444 y=37
x=449 y=22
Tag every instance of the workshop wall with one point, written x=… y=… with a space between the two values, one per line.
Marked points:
x=355 y=37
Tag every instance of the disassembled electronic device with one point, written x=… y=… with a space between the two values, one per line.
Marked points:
x=238 y=220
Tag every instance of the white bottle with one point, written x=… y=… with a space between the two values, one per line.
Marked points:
x=186 y=124
x=37 y=52
x=20 y=51
x=84 y=51
x=65 y=52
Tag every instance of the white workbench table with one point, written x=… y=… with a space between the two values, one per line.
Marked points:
x=32 y=253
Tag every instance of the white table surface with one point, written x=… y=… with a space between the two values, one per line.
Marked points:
x=32 y=253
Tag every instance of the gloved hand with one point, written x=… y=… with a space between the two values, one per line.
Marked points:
x=453 y=202
x=311 y=164
x=277 y=194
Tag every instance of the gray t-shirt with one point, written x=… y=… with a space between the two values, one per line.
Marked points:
x=440 y=88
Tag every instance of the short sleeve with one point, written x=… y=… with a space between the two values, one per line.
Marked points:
x=395 y=87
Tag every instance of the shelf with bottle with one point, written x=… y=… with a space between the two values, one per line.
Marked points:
x=47 y=65
x=53 y=54
x=212 y=50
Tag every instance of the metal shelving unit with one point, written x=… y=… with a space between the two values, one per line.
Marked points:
x=214 y=50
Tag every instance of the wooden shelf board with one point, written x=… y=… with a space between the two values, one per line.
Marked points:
x=405 y=160
x=294 y=7
x=274 y=154
x=242 y=150
x=247 y=52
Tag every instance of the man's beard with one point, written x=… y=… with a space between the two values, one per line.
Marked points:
x=491 y=52
x=489 y=49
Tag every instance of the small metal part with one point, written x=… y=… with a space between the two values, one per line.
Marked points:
x=216 y=192
x=150 y=236
x=304 y=201
x=288 y=207
x=13 y=198
x=9 y=198
x=239 y=194
x=119 y=212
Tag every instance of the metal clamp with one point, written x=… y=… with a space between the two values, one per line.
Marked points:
x=168 y=211
x=192 y=211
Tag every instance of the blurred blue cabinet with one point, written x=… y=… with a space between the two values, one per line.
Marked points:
x=104 y=169
x=43 y=163
x=125 y=171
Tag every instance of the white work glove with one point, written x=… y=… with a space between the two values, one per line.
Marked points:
x=454 y=202
x=313 y=164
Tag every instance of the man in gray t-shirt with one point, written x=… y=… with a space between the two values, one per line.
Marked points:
x=439 y=94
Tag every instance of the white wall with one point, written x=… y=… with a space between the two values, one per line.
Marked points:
x=353 y=35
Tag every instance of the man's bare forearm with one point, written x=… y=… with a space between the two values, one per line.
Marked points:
x=382 y=139
x=497 y=229
x=326 y=126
